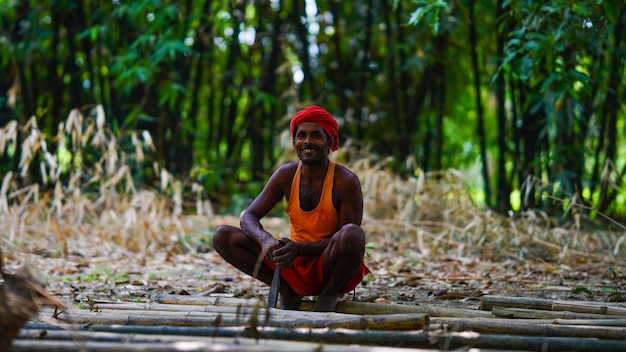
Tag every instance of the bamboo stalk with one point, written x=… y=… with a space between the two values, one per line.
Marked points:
x=169 y=346
x=598 y=308
x=347 y=307
x=521 y=313
x=413 y=321
x=535 y=328
x=350 y=307
x=594 y=322
x=98 y=318
x=275 y=314
x=208 y=308
x=434 y=322
x=92 y=340
x=410 y=339
x=588 y=307
x=488 y=302
x=166 y=298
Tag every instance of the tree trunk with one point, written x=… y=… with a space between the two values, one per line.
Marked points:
x=503 y=190
x=361 y=108
x=612 y=107
x=482 y=138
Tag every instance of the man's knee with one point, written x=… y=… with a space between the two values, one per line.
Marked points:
x=220 y=236
x=351 y=239
x=353 y=233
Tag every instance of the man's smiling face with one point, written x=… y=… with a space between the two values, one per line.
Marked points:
x=311 y=143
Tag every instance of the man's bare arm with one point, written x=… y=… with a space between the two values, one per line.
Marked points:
x=350 y=197
x=272 y=193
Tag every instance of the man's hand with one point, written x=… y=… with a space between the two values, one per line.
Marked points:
x=268 y=246
x=284 y=256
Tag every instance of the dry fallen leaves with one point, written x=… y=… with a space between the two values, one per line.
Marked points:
x=100 y=236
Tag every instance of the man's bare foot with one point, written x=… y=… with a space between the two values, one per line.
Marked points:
x=288 y=298
x=326 y=303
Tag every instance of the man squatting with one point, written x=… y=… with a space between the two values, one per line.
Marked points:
x=324 y=255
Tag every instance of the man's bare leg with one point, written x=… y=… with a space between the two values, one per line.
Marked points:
x=288 y=298
x=244 y=254
x=342 y=258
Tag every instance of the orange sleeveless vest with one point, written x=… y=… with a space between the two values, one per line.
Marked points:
x=319 y=223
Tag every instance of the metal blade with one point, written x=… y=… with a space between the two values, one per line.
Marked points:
x=272 y=298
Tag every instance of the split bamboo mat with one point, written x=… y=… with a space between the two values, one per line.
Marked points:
x=217 y=323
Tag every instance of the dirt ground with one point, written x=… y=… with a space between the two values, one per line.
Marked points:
x=401 y=274
x=401 y=279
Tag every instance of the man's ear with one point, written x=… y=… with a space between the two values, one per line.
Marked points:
x=329 y=140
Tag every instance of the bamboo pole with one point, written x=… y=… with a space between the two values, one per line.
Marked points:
x=409 y=339
x=350 y=307
x=238 y=310
x=413 y=321
x=347 y=307
x=594 y=322
x=174 y=346
x=488 y=302
x=588 y=307
x=203 y=312
x=167 y=298
x=436 y=321
x=92 y=341
x=521 y=313
x=534 y=328
x=241 y=310
x=224 y=343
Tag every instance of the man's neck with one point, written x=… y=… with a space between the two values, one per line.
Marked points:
x=315 y=170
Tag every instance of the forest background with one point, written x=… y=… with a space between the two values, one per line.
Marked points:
x=524 y=98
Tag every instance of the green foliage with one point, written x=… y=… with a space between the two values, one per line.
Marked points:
x=213 y=83
x=428 y=10
x=213 y=175
x=583 y=290
x=556 y=53
x=616 y=278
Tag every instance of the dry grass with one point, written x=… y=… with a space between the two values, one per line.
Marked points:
x=95 y=209
x=434 y=215
x=85 y=201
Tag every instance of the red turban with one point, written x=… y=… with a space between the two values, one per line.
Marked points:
x=321 y=117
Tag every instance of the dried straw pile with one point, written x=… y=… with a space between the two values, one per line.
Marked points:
x=86 y=201
x=433 y=214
